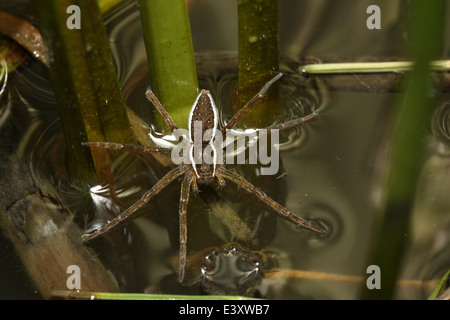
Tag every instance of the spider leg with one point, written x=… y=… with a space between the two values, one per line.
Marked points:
x=167 y=118
x=128 y=214
x=184 y=199
x=282 y=211
x=257 y=98
x=294 y=122
x=158 y=105
x=128 y=147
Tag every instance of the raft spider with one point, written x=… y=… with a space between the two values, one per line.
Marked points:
x=194 y=173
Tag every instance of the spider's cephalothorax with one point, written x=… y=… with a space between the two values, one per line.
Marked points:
x=197 y=171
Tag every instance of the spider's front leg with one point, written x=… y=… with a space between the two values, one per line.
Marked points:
x=158 y=105
x=257 y=98
x=253 y=101
x=127 y=147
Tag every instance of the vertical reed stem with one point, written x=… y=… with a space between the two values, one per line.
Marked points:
x=170 y=55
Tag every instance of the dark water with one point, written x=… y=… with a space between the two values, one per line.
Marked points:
x=330 y=173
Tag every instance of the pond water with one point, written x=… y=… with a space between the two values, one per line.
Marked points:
x=330 y=172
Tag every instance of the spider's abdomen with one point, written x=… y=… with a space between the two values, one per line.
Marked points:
x=203 y=117
x=202 y=126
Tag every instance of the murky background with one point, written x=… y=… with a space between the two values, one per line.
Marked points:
x=330 y=167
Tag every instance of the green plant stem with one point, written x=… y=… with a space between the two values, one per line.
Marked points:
x=107 y=5
x=170 y=54
x=370 y=67
x=87 y=91
x=258 y=37
x=439 y=287
x=110 y=102
x=406 y=150
x=141 y=296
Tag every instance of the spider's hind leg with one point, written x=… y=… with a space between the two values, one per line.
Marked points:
x=275 y=206
x=184 y=199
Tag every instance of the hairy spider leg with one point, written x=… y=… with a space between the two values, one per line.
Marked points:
x=256 y=98
x=167 y=118
x=189 y=180
x=282 y=211
x=294 y=122
x=142 y=150
x=184 y=199
x=128 y=214
x=158 y=105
